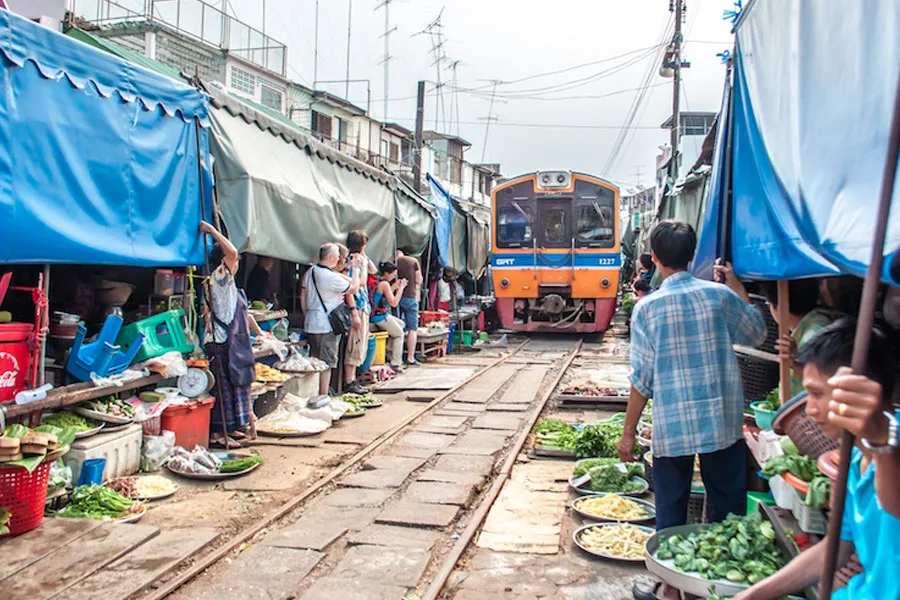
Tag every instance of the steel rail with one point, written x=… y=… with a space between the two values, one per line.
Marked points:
x=251 y=531
x=450 y=561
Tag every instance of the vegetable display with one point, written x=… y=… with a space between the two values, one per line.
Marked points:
x=66 y=419
x=801 y=466
x=591 y=441
x=362 y=401
x=740 y=549
x=618 y=541
x=819 y=492
x=98 y=502
x=612 y=507
x=583 y=466
x=615 y=478
x=237 y=465
x=772 y=401
x=112 y=406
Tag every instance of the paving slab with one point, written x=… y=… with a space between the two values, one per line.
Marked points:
x=505 y=407
x=482 y=389
x=376 y=422
x=524 y=387
x=460 y=409
x=320 y=526
x=481 y=465
x=476 y=442
x=260 y=572
x=498 y=421
x=426 y=440
x=471 y=479
x=411 y=451
x=329 y=588
x=394 y=463
x=418 y=514
x=395 y=536
x=439 y=492
x=351 y=497
x=438 y=378
x=376 y=479
x=530 y=543
x=384 y=565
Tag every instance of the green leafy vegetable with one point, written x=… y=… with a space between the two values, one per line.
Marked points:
x=788 y=446
x=551 y=426
x=628 y=304
x=740 y=549
x=15 y=430
x=586 y=465
x=4 y=521
x=615 y=478
x=801 y=466
x=819 y=492
x=95 y=502
x=66 y=419
x=239 y=464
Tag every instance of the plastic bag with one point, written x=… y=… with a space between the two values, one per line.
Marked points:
x=169 y=365
x=60 y=476
x=156 y=450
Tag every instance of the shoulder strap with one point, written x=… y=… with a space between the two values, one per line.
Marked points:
x=316 y=286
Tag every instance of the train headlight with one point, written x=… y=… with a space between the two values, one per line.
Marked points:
x=604 y=283
x=504 y=283
x=560 y=179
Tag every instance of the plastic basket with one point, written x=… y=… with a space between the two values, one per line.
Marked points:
x=24 y=494
x=153 y=425
x=811 y=520
x=783 y=493
x=791 y=420
x=758 y=377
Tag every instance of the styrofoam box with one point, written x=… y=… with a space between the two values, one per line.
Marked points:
x=811 y=520
x=783 y=492
x=121 y=449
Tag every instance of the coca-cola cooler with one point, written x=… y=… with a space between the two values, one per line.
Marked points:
x=15 y=358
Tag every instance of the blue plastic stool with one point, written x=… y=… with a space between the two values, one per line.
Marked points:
x=102 y=357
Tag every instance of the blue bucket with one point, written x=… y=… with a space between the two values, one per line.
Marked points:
x=92 y=471
x=370 y=356
x=450 y=338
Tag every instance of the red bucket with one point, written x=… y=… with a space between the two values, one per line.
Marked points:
x=14 y=358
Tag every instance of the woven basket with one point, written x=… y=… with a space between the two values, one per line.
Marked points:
x=791 y=420
x=24 y=494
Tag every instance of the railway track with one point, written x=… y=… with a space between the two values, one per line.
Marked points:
x=498 y=381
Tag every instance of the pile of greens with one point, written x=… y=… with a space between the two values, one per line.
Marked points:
x=95 y=502
x=615 y=478
x=587 y=464
x=556 y=434
x=740 y=549
x=819 y=492
x=772 y=400
x=66 y=419
x=236 y=465
x=801 y=466
x=628 y=304
x=592 y=441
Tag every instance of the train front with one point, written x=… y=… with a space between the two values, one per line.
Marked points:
x=556 y=257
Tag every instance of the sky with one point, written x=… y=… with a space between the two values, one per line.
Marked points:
x=568 y=72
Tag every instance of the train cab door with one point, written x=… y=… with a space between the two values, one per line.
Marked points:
x=554 y=242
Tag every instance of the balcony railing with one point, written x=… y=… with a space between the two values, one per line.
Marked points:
x=193 y=18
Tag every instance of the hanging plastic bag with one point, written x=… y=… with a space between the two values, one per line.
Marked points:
x=156 y=450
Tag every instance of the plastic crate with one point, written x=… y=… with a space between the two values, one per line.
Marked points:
x=24 y=494
x=810 y=520
x=768 y=344
x=121 y=449
x=783 y=492
x=189 y=422
x=758 y=377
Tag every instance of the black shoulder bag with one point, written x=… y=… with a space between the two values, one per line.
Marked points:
x=341 y=318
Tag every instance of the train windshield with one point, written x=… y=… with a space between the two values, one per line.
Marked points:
x=515 y=220
x=595 y=219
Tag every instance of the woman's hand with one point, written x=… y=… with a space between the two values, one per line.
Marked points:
x=856 y=406
x=787 y=349
x=207 y=228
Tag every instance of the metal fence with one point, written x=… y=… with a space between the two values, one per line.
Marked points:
x=193 y=18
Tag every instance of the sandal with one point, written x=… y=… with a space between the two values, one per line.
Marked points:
x=227 y=444
x=645 y=590
x=237 y=435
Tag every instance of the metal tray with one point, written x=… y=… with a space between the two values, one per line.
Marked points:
x=89 y=432
x=281 y=434
x=102 y=417
x=578 y=532
x=691 y=583
x=216 y=476
x=133 y=518
x=585 y=492
x=647 y=506
x=551 y=452
x=355 y=415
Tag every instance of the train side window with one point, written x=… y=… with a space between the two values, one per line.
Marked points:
x=594 y=224
x=514 y=225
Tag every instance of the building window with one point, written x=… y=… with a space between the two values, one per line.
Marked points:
x=270 y=98
x=321 y=124
x=243 y=81
x=395 y=153
x=456 y=170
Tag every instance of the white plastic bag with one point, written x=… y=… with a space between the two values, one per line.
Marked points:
x=156 y=450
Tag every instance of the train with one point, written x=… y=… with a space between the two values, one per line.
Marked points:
x=555 y=252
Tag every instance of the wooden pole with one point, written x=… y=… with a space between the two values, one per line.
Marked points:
x=784 y=314
x=861 y=344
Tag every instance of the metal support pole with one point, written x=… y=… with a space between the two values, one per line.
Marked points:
x=316 y=48
x=45 y=321
x=420 y=136
x=676 y=91
x=861 y=344
x=349 y=23
x=784 y=366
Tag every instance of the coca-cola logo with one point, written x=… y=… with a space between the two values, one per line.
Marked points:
x=9 y=370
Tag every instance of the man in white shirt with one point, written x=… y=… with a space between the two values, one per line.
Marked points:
x=323 y=291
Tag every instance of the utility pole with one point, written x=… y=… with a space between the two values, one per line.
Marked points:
x=490 y=117
x=420 y=134
x=316 y=49
x=386 y=4
x=349 y=23
x=676 y=90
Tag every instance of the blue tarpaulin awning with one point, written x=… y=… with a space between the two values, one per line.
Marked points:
x=98 y=157
x=813 y=94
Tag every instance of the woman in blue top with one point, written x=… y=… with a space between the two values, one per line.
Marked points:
x=837 y=399
x=387 y=296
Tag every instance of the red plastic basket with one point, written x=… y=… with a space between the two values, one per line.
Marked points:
x=153 y=425
x=434 y=316
x=792 y=420
x=24 y=494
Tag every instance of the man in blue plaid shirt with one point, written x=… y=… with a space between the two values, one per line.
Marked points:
x=682 y=357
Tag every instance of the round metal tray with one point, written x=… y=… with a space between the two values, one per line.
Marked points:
x=647 y=506
x=355 y=415
x=585 y=492
x=577 y=534
x=89 y=432
x=281 y=434
x=133 y=518
x=691 y=583
x=103 y=417
x=216 y=476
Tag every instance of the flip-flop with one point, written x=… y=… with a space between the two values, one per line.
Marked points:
x=237 y=435
x=229 y=445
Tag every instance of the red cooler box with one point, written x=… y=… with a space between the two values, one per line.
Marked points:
x=189 y=422
x=14 y=358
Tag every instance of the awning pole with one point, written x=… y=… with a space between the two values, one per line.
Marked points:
x=784 y=366
x=45 y=323
x=861 y=343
